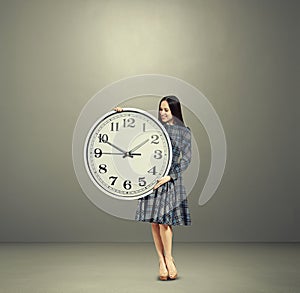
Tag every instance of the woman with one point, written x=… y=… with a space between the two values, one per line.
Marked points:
x=167 y=205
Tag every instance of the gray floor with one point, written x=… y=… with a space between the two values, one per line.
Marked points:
x=107 y=268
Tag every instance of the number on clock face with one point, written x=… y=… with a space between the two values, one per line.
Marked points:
x=127 y=152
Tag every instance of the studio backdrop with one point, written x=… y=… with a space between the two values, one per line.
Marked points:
x=57 y=55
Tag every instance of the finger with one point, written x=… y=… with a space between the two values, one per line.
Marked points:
x=118 y=109
x=156 y=186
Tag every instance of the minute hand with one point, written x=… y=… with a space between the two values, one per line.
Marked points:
x=138 y=146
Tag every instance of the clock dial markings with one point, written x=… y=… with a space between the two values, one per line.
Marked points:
x=152 y=170
x=129 y=122
x=114 y=178
x=114 y=126
x=103 y=138
x=155 y=139
x=157 y=154
x=102 y=168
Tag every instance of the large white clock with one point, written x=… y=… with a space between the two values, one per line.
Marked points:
x=126 y=153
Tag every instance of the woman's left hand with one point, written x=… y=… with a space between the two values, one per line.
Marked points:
x=161 y=181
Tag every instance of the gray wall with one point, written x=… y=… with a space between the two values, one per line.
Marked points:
x=55 y=55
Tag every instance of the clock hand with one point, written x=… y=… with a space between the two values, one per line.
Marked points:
x=113 y=154
x=131 y=155
x=116 y=147
x=125 y=154
x=138 y=146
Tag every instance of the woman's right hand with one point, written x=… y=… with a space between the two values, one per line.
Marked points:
x=118 y=109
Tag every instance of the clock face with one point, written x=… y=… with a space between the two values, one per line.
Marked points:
x=126 y=152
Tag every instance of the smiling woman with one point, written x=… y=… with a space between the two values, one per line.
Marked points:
x=167 y=205
x=165 y=114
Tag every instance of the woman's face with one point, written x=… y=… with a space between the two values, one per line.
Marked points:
x=165 y=113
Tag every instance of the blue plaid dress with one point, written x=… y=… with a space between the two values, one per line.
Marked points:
x=168 y=204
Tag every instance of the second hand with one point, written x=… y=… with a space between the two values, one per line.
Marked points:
x=134 y=154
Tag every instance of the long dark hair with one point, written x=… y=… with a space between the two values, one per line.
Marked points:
x=175 y=108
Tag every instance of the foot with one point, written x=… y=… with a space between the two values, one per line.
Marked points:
x=172 y=271
x=163 y=272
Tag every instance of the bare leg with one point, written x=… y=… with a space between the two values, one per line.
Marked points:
x=163 y=272
x=166 y=234
x=157 y=240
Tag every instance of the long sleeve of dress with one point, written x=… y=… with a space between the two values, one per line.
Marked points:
x=184 y=149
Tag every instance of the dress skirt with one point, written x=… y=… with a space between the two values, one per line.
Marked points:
x=168 y=204
x=163 y=208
